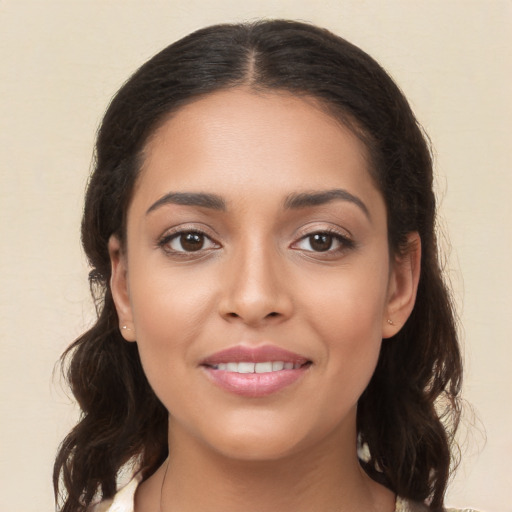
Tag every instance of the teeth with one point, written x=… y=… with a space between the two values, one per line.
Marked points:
x=246 y=367
x=265 y=367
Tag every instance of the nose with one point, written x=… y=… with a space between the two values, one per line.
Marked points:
x=256 y=291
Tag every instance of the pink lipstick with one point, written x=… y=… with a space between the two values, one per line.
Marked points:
x=255 y=371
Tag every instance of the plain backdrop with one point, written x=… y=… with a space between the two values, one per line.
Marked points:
x=60 y=63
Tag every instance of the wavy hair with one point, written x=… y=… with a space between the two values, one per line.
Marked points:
x=408 y=414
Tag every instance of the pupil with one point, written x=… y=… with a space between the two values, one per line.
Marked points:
x=192 y=241
x=321 y=242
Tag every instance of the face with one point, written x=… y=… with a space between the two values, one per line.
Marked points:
x=256 y=277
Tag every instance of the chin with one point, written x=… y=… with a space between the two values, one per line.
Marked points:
x=266 y=436
x=259 y=437
x=255 y=448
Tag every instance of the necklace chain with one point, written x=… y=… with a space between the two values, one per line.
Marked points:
x=398 y=501
x=161 y=509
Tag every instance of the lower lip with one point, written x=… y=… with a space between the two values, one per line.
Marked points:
x=255 y=384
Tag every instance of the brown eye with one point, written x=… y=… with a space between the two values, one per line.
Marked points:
x=187 y=242
x=320 y=242
x=191 y=241
x=332 y=244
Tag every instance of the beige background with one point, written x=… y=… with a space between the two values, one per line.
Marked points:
x=60 y=62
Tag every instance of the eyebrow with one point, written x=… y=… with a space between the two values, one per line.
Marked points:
x=190 y=199
x=307 y=199
x=293 y=201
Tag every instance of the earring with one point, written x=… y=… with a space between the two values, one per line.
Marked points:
x=390 y=322
x=126 y=328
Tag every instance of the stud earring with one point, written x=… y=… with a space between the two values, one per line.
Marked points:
x=126 y=328
x=390 y=322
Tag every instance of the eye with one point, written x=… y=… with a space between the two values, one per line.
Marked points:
x=323 y=241
x=320 y=242
x=187 y=242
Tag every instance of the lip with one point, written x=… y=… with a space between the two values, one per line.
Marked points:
x=254 y=384
x=259 y=354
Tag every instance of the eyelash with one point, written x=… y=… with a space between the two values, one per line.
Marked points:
x=344 y=242
x=166 y=240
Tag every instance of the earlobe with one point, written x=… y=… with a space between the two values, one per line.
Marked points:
x=403 y=286
x=120 y=289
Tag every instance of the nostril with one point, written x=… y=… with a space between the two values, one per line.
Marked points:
x=251 y=318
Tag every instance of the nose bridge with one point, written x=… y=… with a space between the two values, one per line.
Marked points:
x=256 y=289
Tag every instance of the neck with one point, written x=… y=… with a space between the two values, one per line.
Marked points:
x=196 y=478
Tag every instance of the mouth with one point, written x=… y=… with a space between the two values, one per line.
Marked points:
x=255 y=372
x=263 y=367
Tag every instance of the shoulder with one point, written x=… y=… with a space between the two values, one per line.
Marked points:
x=123 y=501
x=404 y=505
x=461 y=510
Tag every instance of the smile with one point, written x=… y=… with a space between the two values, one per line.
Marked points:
x=254 y=371
x=265 y=367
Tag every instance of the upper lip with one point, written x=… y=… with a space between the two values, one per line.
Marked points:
x=261 y=354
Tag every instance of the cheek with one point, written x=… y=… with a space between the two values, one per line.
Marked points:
x=169 y=314
x=165 y=304
x=346 y=314
x=348 y=304
x=352 y=339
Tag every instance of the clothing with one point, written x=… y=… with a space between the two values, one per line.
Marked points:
x=123 y=502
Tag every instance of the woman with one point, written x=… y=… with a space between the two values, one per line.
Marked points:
x=273 y=327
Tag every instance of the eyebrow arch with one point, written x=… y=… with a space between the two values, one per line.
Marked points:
x=306 y=199
x=190 y=199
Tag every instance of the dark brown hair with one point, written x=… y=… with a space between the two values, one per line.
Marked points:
x=408 y=413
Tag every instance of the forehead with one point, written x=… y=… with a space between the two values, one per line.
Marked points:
x=252 y=141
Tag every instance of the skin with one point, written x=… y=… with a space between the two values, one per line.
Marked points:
x=259 y=280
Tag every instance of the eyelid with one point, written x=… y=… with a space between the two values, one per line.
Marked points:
x=176 y=231
x=317 y=227
x=343 y=237
x=335 y=234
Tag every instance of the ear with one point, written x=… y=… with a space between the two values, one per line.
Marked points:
x=402 y=287
x=120 y=289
